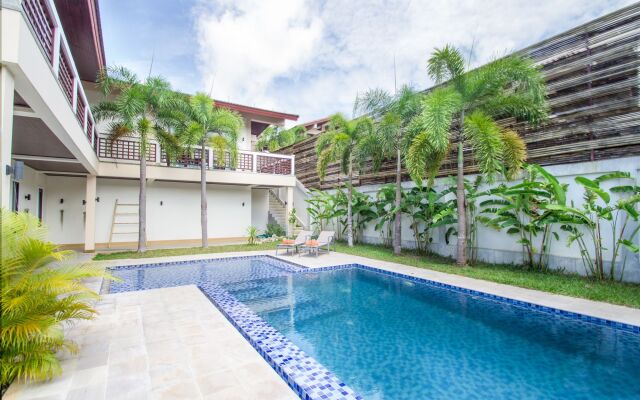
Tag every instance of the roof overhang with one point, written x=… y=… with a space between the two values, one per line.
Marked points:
x=254 y=110
x=81 y=24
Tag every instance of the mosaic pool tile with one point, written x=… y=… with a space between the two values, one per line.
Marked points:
x=308 y=378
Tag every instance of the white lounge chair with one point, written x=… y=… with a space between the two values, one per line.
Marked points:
x=302 y=237
x=324 y=240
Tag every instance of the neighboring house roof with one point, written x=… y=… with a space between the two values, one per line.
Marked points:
x=316 y=126
x=81 y=24
x=255 y=110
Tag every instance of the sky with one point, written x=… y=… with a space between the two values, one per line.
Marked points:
x=312 y=57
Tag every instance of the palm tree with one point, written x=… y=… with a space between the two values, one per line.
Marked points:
x=135 y=112
x=274 y=137
x=40 y=293
x=202 y=123
x=343 y=142
x=394 y=115
x=463 y=108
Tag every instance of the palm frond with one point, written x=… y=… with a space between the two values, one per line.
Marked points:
x=486 y=140
x=445 y=64
x=514 y=153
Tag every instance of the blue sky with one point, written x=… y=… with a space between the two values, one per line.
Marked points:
x=311 y=57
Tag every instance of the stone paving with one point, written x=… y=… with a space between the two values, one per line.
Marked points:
x=169 y=343
x=148 y=345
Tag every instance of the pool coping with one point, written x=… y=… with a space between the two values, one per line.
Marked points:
x=307 y=377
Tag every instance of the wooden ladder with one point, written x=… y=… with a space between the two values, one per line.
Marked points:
x=123 y=210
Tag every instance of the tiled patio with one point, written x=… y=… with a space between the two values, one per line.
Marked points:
x=174 y=344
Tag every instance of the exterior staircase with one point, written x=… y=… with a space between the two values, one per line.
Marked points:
x=278 y=213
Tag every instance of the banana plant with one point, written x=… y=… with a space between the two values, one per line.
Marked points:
x=322 y=209
x=362 y=210
x=597 y=211
x=386 y=211
x=429 y=210
x=522 y=210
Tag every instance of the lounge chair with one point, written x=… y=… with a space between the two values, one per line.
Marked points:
x=324 y=240
x=302 y=237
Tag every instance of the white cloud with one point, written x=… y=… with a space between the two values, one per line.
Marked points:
x=311 y=58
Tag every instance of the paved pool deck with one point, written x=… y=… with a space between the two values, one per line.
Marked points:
x=147 y=345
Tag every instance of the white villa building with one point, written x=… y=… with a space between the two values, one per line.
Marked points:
x=59 y=164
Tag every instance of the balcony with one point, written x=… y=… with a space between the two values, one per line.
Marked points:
x=47 y=30
x=247 y=161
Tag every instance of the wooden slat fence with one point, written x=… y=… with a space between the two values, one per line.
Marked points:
x=593 y=81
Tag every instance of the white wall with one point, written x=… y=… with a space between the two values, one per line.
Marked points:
x=259 y=208
x=29 y=185
x=64 y=211
x=178 y=218
x=499 y=247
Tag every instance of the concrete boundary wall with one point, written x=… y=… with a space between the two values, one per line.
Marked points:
x=501 y=248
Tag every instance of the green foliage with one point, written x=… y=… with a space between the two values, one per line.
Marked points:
x=362 y=211
x=139 y=109
x=523 y=210
x=275 y=229
x=275 y=137
x=198 y=122
x=293 y=217
x=464 y=108
x=510 y=86
x=322 y=209
x=386 y=211
x=585 y=225
x=428 y=210
x=252 y=235
x=41 y=292
x=344 y=141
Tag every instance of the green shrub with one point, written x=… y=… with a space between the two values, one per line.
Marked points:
x=275 y=229
x=252 y=234
x=40 y=293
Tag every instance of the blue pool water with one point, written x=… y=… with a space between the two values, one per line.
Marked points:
x=392 y=338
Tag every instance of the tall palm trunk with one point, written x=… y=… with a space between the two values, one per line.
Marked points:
x=349 y=209
x=142 y=201
x=203 y=195
x=397 y=223
x=461 y=258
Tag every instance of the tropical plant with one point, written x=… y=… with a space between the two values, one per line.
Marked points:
x=463 y=109
x=200 y=122
x=137 y=111
x=322 y=209
x=596 y=211
x=429 y=209
x=362 y=211
x=343 y=142
x=252 y=235
x=394 y=115
x=385 y=208
x=523 y=210
x=275 y=137
x=275 y=229
x=293 y=217
x=41 y=293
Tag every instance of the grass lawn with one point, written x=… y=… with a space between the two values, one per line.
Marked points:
x=185 y=251
x=553 y=282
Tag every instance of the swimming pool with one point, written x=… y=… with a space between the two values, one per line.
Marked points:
x=379 y=335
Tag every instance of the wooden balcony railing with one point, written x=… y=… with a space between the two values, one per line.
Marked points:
x=248 y=161
x=124 y=150
x=47 y=30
